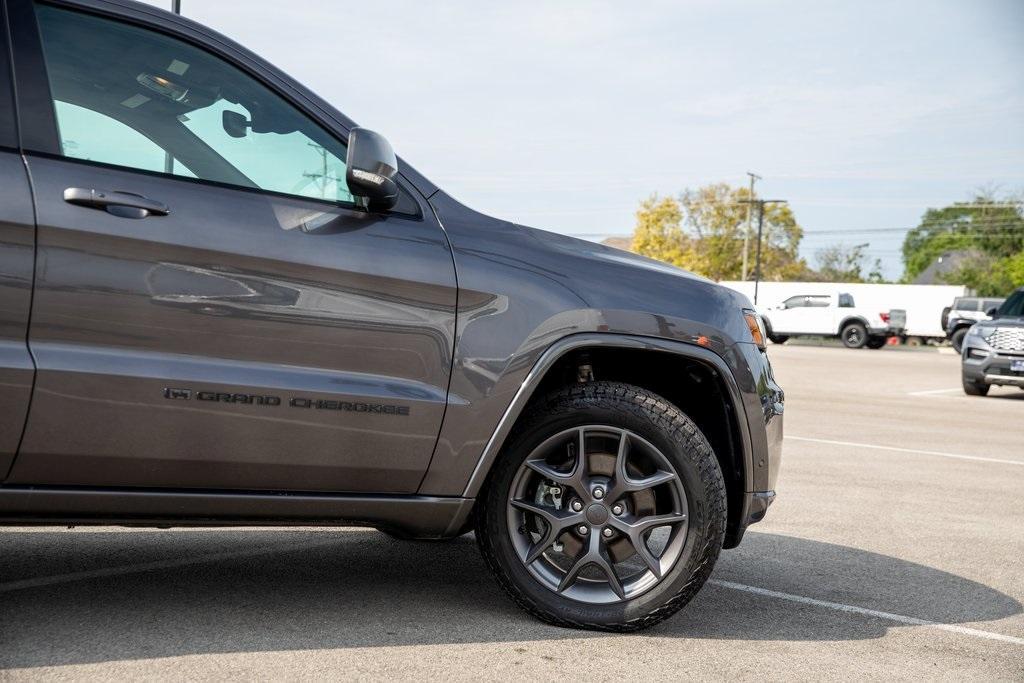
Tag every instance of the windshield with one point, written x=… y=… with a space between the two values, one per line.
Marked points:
x=1014 y=306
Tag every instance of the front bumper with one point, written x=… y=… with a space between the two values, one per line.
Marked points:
x=982 y=364
x=764 y=405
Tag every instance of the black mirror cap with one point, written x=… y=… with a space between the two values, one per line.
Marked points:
x=992 y=312
x=371 y=167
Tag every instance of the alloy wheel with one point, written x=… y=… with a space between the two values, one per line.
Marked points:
x=597 y=514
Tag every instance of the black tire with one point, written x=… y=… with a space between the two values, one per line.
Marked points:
x=973 y=388
x=945 y=316
x=854 y=335
x=772 y=337
x=685 y=449
x=957 y=338
x=876 y=342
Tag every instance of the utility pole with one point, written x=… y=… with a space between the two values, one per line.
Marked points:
x=746 y=233
x=760 y=229
x=176 y=6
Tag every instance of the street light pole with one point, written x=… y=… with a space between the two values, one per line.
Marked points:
x=176 y=6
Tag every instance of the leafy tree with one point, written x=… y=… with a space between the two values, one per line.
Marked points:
x=659 y=232
x=988 y=229
x=840 y=263
x=702 y=230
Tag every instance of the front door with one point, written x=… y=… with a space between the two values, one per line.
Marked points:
x=17 y=241
x=212 y=309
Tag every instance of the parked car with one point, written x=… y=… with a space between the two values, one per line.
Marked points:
x=965 y=311
x=245 y=309
x=993 y=350
x=832 y=315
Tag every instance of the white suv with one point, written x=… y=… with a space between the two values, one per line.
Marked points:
x=832 y=315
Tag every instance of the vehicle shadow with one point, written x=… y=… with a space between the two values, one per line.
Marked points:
x=98 y=596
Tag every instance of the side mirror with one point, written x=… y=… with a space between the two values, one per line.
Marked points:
x=371 y=167
x=782 y=306
x=992 y=311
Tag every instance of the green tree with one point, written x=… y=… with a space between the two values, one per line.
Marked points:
x=988 y=229
x=702 y=230
x=840 y=263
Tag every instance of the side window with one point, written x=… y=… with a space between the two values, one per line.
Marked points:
x=83 y=133
x=794 y=302
x=845 y=301
x=818 y=301
x=133 y=97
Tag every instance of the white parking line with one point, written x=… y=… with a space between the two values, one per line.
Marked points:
x=838 y=606
x=895 y=449
x=153 y=566
x=929 y=392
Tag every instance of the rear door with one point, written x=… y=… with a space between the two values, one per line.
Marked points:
x=253 y=328
x=17 y=237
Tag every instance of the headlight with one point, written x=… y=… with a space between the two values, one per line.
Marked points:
x=756 y=326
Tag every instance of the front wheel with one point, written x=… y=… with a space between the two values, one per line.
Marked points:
x=957 y=339
x=606 y=510
x=974 y=388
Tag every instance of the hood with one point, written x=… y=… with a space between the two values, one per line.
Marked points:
x=601 y=252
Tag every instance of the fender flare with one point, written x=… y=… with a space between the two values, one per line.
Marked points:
x=853 y=318
x=572 y=342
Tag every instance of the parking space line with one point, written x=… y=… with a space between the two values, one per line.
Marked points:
x=123 y=570
x=896 y=449
x=838 y=606
x=932 y=391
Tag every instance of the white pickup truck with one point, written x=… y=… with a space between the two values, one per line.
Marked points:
x=832 y=315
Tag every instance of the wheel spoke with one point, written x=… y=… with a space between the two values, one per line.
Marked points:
x=553 y=516
x=623 y=484
x=575 y=479
x=653 y=563
x=593 y=554
x=556 y=521
x=578 y=565
x=647 y=523
x=545 y=470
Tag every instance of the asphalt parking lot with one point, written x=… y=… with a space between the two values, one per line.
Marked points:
x=895 y=550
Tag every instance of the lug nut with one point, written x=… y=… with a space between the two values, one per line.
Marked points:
x=577 y=506
x=617 y=510
x=599 y=493
x=582 y=529
x=607 y=532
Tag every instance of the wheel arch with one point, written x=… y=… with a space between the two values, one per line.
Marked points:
x=853 y=319
x=667 y=368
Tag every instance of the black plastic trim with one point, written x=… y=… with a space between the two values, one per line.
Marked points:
x=8 y=119
x=416 y=516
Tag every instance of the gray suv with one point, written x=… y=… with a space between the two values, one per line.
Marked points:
x=221 y=302
x=993 y=350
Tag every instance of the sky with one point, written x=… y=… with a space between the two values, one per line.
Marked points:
x=565 y=115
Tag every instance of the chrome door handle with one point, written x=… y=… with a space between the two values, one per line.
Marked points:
x=123 y=204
